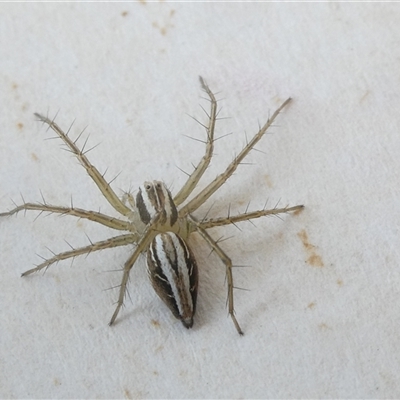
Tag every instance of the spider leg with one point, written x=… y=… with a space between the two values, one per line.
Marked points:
x=212 y=222
x=143 y=244
x=103 y=219
x=195 y=176
x=228 y=265
x=116 y=241
x=198 y=200
x=93 y=172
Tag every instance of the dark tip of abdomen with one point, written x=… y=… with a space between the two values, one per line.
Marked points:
x=187 y=323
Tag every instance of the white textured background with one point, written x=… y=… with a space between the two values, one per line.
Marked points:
x=321 y=318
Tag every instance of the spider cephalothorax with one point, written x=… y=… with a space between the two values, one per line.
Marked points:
x=159 y=224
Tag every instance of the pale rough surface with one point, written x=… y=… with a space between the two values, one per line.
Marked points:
x=322 y=317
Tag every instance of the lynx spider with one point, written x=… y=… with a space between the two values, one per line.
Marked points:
x=155 y=220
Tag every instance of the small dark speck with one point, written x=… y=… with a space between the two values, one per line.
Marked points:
x=124 y=13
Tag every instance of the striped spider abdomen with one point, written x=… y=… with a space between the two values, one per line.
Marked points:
x=173 y=273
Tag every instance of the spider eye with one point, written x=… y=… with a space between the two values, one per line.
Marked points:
x=148 y=187
x=158 y=185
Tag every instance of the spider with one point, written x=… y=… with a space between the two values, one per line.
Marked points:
x=159 y=224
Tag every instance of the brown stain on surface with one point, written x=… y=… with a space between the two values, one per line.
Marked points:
x=124 y=13
x=165 y=26
x=79 y=224
x=313 y=259
x=324 y=327
x=155 y=323
x=56 y=382
x=311 y=305
x=20 y=125
x=34 y=157
x=268 y=181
